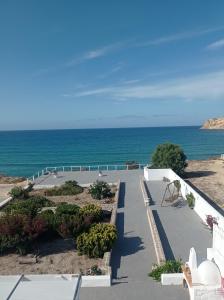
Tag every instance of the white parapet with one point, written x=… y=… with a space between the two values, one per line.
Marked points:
x=96 y=281
x=155 y=174
x=172 y=279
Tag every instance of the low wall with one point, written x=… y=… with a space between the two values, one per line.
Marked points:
x=202 y=206
x=160 y=256
x=106 y=279
x=145 y=195
x=172 y=279
x=155 y=174
x=96 y=281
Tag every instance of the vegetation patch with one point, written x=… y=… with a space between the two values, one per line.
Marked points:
x=18 y=231
x=97 y=241
x=170 y=266
x=169 y=156
x=31 y=225
x=190 y=200
x=30 y=206
x=100 y=190
x=68 y=188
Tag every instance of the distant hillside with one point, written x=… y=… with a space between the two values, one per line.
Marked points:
x=215 y=123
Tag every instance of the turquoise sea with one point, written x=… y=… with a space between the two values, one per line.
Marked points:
x=25 y=152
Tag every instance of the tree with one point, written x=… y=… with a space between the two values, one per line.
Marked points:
x=169 y=156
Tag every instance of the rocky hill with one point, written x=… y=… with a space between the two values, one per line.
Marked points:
x=216 y=123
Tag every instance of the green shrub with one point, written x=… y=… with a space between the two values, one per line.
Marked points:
x=18 y=192
x=170 y=266
x=68 y=188
x=49 y=217
x=97 y=241
x=67 y=209
x=18 y=231
x=93 y=212
x=169 y=156
x=190 y=200
x=100 y=190
x=70 y=225
x=94 y=270
x=30 y=206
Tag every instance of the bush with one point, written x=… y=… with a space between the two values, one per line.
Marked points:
x=190 y=200
x=49 y=217
x=70 y=225
x=93 y=212
x=18 y=231
x=67 y=209
x=169 y=156
x=170 y=266
x=68 y=188
x=18 y=192
x=100 y=190
x=97 y=241
x=30 y=206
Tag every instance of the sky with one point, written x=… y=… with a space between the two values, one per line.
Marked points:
x=120 y=63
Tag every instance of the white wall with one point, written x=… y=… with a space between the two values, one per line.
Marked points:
x=156 y=174
x=202 y=207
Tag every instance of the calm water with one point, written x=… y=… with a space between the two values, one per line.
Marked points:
x=26 y=152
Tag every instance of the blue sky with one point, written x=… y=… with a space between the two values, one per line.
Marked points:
x=90 y=64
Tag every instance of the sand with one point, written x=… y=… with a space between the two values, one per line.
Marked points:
x=208 y=177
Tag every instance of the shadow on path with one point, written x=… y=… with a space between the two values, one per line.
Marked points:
x=164 y=240
x=121 y=195
x=125 y=245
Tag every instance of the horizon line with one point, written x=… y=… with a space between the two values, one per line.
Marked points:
x=97 y=128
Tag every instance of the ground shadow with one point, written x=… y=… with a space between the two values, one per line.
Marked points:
x=117 y=249
x=179 y=203
x=148 y=194
x=163 y=237
x=54 y=246
x=124 y=246
x=121 y=195
x=197 y=174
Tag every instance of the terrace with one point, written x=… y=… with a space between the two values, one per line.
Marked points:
x=133 y=255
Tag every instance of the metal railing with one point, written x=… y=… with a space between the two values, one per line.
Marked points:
x=51 y=170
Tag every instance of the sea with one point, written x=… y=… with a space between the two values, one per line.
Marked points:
x=23 y=153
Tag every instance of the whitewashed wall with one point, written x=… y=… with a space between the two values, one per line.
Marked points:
x=202 y=207
x=156 y=174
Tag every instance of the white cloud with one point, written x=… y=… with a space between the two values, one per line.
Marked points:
x=216 y=45
x=201 y=87
x=97 y=53
x=179 y=36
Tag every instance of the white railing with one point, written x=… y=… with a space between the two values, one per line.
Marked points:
x=49 y=170
x=222 y=156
